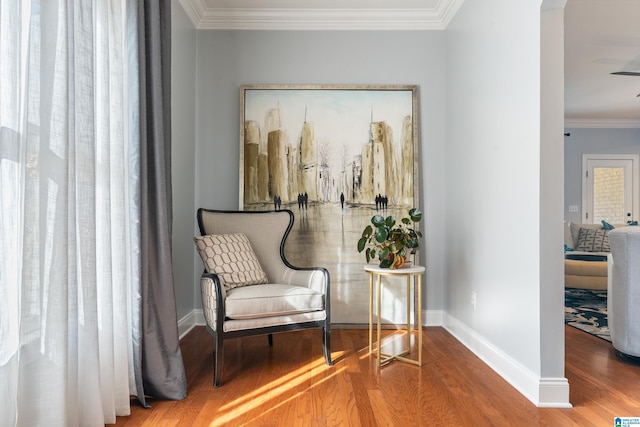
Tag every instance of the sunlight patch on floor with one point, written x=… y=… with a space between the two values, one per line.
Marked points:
x=270 y=393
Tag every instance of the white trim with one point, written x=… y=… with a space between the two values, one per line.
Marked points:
x=194 y=10
x=602 y=123
x=553 y=393
x=191 y=320
x=543 y=392
x=196 y=318
x=208 y=18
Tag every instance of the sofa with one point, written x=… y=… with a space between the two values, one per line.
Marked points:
x=624 y=291
x=586 y=250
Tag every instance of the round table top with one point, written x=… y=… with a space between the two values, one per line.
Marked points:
x=414 y=269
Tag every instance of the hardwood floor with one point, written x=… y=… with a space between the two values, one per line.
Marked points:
x=289 y=385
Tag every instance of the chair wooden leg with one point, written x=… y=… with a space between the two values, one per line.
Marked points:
x=219 y=358
x=326 y=344
x=270 y=340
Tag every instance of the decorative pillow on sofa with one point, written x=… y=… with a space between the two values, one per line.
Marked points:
x=593 y=240
x=575 y=228
x=231 y=257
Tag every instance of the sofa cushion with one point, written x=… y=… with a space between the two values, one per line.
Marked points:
x=231 y=257
x=593 y=240
x=585 y=274
x=271 y=300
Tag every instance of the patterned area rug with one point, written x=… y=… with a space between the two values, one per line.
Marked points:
x=586 y=310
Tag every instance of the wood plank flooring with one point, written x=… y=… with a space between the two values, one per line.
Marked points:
x=289 y=385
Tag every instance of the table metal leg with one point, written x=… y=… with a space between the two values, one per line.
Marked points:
x=409 y=310
x=419 y=325
x=379 y=323
x=370 y=312
x=384 y=358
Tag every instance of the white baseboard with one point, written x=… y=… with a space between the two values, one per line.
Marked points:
x=542 y=392
x=554 y=393
x=190 y=321
x=196 y=318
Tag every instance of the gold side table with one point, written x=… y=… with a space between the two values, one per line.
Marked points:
x=414 y=272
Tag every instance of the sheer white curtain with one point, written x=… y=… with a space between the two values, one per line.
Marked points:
x=66 y=239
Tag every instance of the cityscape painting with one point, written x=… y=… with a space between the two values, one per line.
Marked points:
x=335 y=156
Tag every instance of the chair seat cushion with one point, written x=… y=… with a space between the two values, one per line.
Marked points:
x=248 y=302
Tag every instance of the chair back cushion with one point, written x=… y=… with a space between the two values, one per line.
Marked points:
x=265 y=230
x=231 y=257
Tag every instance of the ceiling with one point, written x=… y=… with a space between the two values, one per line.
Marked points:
x=601 y=36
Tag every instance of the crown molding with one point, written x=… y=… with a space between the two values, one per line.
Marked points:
x=602 y=123
x=204 y=17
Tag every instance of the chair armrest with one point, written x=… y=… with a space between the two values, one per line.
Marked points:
x=316 y=278
x=213 y=297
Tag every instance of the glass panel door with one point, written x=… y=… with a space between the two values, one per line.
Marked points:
x=609 y=191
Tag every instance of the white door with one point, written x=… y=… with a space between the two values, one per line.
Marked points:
x=608 y=188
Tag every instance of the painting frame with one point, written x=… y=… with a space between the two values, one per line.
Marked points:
x=334 y=155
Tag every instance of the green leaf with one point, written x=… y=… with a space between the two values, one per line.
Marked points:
x=361 y=243
x=415 y=214
x=386 y=263
x=413 y=243
x=377 y=220
x=390 y=221
x=381 y=234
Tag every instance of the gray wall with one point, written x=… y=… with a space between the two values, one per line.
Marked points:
x=497 y=201
x=183 y=44
x=490 y=186
x=480 y=123
x=591 y=141
x=229 y=59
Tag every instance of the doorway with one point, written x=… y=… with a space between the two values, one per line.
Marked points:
x=609 y=187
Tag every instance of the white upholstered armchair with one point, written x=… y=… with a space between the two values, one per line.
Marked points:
x=249 y=288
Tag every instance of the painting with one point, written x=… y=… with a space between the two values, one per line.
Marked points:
x=335 y=156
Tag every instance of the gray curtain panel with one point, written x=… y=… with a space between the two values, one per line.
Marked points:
x=160 y=362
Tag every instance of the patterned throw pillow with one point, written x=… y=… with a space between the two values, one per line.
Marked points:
x=593 y=240
x=231 y=257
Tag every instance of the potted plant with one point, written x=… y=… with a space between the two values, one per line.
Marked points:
x=391 y=241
